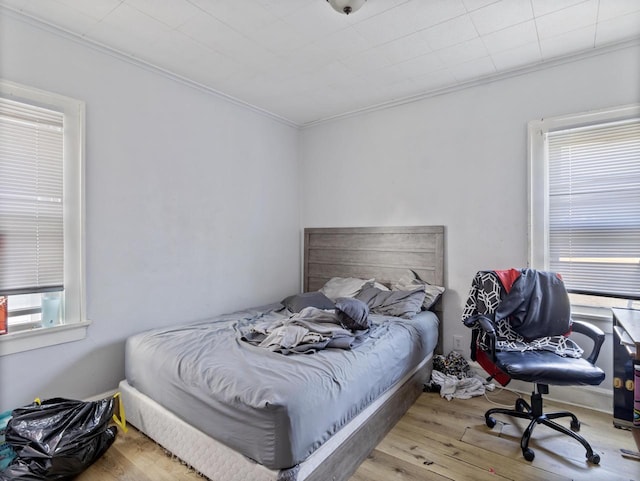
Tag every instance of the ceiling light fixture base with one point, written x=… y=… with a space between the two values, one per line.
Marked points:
x=346 y=6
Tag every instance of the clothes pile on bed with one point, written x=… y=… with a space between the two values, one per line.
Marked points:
x=320 y=320
x=344 y=327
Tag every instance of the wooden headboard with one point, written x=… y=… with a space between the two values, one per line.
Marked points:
x=383 y=253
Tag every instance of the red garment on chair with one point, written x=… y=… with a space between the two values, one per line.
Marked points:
x=508 y=277
x=490 y=367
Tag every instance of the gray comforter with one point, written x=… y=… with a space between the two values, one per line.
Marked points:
x=274 y=409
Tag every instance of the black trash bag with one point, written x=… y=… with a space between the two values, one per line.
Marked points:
x=58 y=439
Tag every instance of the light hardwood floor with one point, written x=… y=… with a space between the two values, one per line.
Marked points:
x=436 y=440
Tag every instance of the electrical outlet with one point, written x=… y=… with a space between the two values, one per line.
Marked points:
x=457 y=343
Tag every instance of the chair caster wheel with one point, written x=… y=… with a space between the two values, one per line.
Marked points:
x=594 y=459
x=490 y=422
x=528 y=454
x=575 y=426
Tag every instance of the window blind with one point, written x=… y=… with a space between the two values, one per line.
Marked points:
x=31 y=207
x=594 y=208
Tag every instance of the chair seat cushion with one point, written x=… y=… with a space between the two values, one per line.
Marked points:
x=545 y=367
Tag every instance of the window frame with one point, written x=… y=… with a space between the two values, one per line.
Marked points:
x=75 y=323
x=538 y=191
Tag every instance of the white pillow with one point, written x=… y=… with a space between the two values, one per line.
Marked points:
x=344 y=287
x=409 y=281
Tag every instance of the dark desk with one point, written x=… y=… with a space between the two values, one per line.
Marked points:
x=626 y=352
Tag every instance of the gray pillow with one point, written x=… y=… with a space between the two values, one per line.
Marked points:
x=393 y=303
x=410 y=281
x=353 y=313
x=316 y=299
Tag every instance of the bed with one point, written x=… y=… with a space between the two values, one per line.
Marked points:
x=261 y=425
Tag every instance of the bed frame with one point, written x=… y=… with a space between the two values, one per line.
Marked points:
x=383 y=253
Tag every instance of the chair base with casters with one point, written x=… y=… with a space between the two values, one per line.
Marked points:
x=535 y=414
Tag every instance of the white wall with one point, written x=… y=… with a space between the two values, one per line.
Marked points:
x=191 y=207
x=459 y=160
x=192 y=201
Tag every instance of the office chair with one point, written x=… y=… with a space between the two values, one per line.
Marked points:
x=521 y=320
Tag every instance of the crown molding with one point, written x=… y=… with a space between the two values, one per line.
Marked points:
x=100 y=47
x=539 y=66
x=487 y=79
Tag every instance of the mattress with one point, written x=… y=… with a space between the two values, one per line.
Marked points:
x=271 y=408
x=214 y=460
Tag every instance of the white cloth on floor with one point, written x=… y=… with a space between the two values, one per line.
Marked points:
x=452 y=387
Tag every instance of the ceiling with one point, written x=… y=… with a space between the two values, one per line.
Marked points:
x=303 y=62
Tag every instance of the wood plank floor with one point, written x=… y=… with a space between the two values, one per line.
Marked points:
x=435 y=440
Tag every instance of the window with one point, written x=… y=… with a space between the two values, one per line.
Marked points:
x=585 y=204
x=41 y=221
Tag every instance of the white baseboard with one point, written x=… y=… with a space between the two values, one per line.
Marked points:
x=103 y=395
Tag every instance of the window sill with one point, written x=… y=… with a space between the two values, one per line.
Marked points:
x=599 y=316
x=21 y=341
